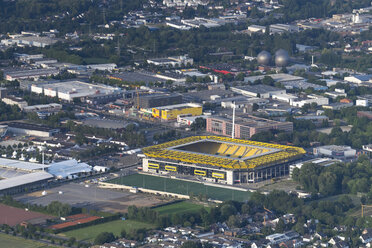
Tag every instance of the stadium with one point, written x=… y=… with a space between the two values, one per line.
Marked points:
x=220 y=159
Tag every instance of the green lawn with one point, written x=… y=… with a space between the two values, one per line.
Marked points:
x=178 y=208
x=181 y=187
x=89 y=233
x=17 y=242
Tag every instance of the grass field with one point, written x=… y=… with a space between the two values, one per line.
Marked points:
x=181 y=187
x=17 y=242
x=89 y=233
x=178 y=208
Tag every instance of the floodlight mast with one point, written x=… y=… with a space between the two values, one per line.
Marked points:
x=233 y=122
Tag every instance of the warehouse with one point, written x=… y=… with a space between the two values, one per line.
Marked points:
x=68 y=169
x=31 y=129
x=158 y=100
x=70 y=90
x=51 y=107
x=220 y=159
x=171 y=112
x=333 y=151
x=245 y=127
x=260 y=90
x=30 y=74
x=24 y=182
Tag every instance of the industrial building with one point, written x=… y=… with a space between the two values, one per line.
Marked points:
x=35 y=41
x=22 y=128
x=104 y=98
x=260 y=90
x=70 y=90
x=171 y=112
x=220 y=159
x=17 y=176
x=29 y=74
x=68 y=169
x=245 y=127
x=103 y=67
x=333 y=151
x=158 y=100
x=319 y=100
x=358 y=79
x=172 y=61
x=11 y=100
x=136 y=77
x=51 y=107
x=24 y=182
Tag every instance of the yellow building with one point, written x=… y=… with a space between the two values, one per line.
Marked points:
x=172 y=111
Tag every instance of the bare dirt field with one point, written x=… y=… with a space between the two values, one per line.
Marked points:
x=13 y=216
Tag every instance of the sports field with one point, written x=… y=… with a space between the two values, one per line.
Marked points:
x=178 y=208
x=89 y=233
x=17 y=242
x=181 y=187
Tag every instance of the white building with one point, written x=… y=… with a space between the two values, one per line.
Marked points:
x=260 y=90
x=319 y=100
x=51 y=107
x=358 y=79
x=257 y=29
x=68 y=169
x=171 y=61
x=69 y=90
x=334 y=151
x=15 y=101
x=35 y=41
x=102 y=67
x=284 y=97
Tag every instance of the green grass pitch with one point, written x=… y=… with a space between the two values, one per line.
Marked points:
x=181 y=187
x=89 y=233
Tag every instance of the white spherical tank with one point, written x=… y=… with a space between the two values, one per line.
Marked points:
x=264 y=58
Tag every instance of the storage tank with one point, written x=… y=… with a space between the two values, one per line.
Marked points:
x=264 y=58
x=281 y=58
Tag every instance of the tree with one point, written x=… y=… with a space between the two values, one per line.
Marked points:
x=227 y=210
x=280 y=226
x=233 y=221
x=71 y=241
x=104 y=237
x=191 y=244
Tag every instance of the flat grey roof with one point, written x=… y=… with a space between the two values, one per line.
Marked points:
x=20 y=165
x=259 y=88
x=29 y=126
x=33 y=72
x=24 y=179
x=137 y=77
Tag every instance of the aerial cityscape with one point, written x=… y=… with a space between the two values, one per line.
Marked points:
x=185 y=123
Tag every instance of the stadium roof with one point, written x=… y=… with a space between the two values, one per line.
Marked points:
x=24 y=179
x=20 y=165
x=262 y=154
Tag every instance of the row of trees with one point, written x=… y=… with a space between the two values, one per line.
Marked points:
x=10 y=112
x=54 y=208
x=336 y=179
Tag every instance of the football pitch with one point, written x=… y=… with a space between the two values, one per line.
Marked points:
x=179 y=208
x=18 y=242
x=181 y=187
x=90 y=233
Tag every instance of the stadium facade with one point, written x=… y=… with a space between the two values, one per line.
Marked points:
x=221 y=159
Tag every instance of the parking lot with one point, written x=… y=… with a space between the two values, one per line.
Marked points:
x=91 y=197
